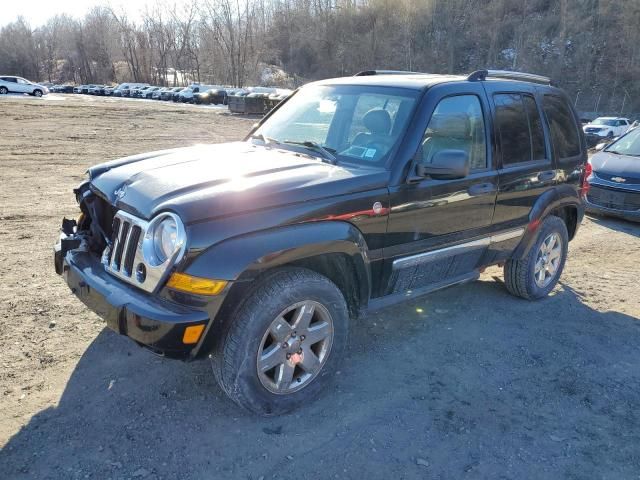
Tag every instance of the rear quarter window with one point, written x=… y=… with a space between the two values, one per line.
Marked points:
x=562 y=125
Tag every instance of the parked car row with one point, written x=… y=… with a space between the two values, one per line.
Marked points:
x=251 y=100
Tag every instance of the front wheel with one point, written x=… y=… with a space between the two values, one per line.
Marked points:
x=3 y=90
x=535 y=275
x=281 y=348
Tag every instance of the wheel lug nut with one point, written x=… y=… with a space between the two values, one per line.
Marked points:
x=285 y=345
x=301 y=337
x=288 y=356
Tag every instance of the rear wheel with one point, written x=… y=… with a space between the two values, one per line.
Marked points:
x=534 y=276
x=281 y=348
x=37 y=93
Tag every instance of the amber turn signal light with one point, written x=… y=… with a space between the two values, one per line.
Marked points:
x=192 y=334
x=197 y=285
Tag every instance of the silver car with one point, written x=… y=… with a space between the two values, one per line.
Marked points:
x=20 y=85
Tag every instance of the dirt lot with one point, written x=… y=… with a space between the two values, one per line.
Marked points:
x=465 y=383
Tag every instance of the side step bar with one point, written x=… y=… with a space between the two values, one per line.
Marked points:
x=389 y=300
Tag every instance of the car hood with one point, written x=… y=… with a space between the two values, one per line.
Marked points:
x=608 y=165
x=209 y=181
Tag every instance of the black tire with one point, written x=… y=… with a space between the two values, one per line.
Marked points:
x=3 y=90
x=37 y=93
x=519 y=274
x=235 y=357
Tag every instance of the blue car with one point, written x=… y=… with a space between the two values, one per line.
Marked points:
x=614 y=181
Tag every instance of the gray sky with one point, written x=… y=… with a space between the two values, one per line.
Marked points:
x=38 y=11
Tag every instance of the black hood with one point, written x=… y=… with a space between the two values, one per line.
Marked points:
x=208 y=181
x=607 y=165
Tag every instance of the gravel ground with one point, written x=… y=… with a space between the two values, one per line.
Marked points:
x=466 y=383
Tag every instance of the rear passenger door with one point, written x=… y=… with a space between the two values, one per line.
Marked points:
x=525 y=162
x=11 y=83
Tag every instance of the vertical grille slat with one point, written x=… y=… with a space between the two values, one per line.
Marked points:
x=114 y=236
x=132 y=246
x=121 y=241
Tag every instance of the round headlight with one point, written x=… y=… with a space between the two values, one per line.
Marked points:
x=165 y=238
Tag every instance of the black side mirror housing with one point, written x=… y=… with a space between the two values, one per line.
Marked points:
x=445 y=165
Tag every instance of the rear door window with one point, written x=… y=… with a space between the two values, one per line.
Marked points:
x=513 y=128
x=564 y=131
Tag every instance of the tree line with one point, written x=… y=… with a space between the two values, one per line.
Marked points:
x=591 y=48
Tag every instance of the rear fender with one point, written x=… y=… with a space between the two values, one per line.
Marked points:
x=555 y=198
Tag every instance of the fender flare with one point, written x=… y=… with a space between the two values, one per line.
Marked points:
x=244 y=257
x=557 y=197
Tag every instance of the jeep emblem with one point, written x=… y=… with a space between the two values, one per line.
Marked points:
x=121 y=192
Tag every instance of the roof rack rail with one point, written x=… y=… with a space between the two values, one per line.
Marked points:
x=480 y=75
x=367 y=73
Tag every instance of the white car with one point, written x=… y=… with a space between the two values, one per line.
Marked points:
x=21 y=85
x=607 y=127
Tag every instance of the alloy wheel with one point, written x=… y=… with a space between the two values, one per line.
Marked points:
x=295 y=347
x=548 y=260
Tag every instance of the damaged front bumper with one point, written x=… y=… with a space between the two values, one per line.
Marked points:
x=150 y=320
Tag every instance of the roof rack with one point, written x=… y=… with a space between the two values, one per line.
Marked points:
x=481 y=75
x=367 y=73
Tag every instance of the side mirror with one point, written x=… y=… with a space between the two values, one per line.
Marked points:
x=445 y=165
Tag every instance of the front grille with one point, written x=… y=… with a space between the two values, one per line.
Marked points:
x=628 y=180
x=129 y=256
x=124 y=245
x=615 y=199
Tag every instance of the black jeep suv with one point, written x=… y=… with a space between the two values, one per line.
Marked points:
x=353 y=194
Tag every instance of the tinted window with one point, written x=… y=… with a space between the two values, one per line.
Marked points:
x=513 y=127
x=457 y=124
x=562 y=124
x=535 y=125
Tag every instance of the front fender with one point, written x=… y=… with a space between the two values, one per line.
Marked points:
x=244 y=257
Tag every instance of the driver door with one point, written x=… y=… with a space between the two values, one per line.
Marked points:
x=22 y=86
x=430 y=218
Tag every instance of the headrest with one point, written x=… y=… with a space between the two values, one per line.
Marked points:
x=448 y=125
x=377 y=121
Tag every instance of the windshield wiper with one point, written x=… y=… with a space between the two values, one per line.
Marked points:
x=327 y=153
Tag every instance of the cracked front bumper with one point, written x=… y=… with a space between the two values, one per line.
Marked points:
x=150 y=320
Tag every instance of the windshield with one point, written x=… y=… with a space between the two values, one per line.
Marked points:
x=603 y=121
x=356 y=124
x=627 y=145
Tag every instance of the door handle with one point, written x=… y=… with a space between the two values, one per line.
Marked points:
x=481 y=189
x=546 y=176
